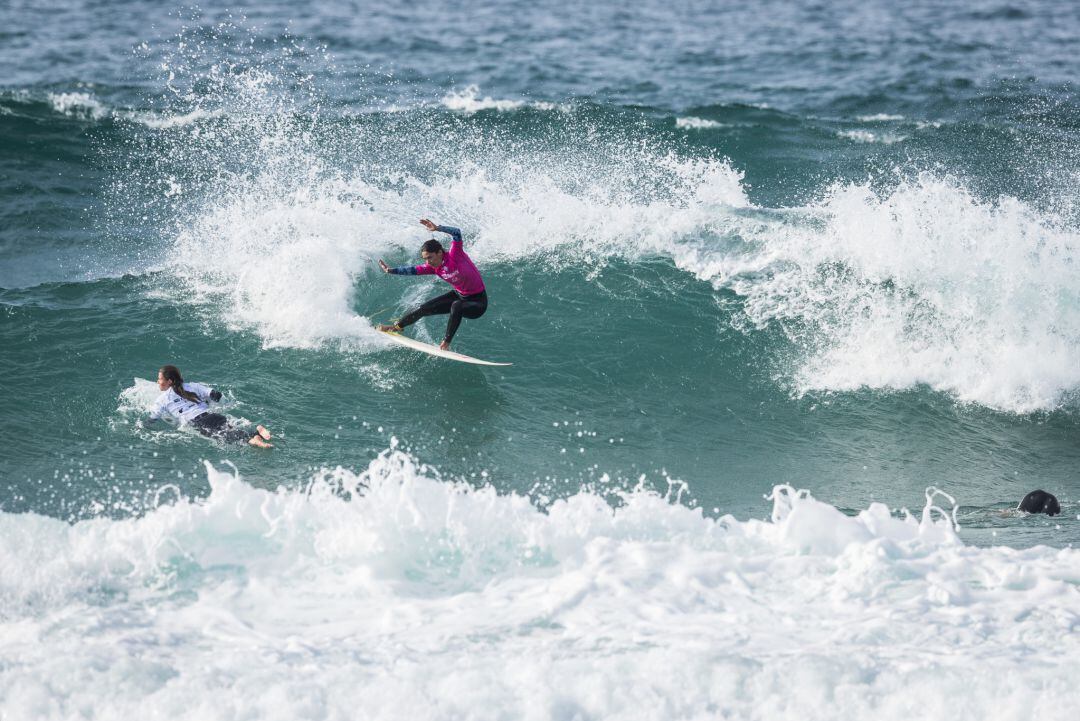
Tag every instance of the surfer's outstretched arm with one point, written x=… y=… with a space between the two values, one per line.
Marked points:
x=454 y=233
x=400 y=270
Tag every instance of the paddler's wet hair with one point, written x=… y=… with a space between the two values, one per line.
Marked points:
x=432 y=246
x=172 y=374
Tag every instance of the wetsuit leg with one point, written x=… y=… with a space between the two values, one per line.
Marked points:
x=469 y=306
x=436 y=306
x=215 y=425
x=236 y=435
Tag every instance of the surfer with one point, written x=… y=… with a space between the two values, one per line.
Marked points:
x=189 y=404
x=1040 y=502
x=468 y=299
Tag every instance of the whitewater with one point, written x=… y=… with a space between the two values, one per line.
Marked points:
x=393 y=593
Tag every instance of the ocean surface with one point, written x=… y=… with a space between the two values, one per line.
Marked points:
x=792 y=296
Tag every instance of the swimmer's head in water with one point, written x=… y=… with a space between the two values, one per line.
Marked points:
x=432 y=252
x=169 y=377
x=1040 y=502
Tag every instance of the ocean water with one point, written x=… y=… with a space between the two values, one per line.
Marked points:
x=792 y=294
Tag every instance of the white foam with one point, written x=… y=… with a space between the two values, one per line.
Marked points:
x=279 y=247
x=287 y=266
x=879 y=118
x=927 y=284
x=159 y=121
x=865 y=136
x=693 y=123
x=428 y=600
x=139 y=397
x=81 y=105
x=468 y=102
x=84 y=105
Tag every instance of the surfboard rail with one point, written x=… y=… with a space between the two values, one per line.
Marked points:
x=436 y=351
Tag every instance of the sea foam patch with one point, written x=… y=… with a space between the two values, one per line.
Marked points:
x=926 y=283
x=919 y=283
x=866 y=136
x=393 y=590
x=468 y=101
x=79 y=104
x=694 y=123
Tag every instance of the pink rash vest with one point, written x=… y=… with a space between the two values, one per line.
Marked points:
x=457 y=268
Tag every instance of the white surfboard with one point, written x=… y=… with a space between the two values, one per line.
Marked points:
x=437 y=351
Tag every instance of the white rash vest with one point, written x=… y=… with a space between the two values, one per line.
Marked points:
x=171 y=404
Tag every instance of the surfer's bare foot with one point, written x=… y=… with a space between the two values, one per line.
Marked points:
x=445 y=345
x=263 y=432
x=393 y=328
x=258 y=441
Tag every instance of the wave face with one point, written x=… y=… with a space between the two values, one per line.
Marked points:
x=889 y=288
x=393 y=589
x=889 y=284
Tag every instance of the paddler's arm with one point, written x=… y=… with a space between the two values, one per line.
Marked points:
x=204 y=392
x=158 y=413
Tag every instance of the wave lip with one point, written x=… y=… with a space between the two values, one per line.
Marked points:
x=980 y=304
x=919 y=284
x=886 y=288
x=412 y=593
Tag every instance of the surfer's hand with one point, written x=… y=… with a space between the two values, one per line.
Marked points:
x=445 y=345
x=428 y=224
x=384 y=266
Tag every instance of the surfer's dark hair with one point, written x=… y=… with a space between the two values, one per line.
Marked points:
x=432 y=246
x=172 y=374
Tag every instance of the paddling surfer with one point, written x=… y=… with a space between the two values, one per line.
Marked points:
x=468 y=299
x=189 y=404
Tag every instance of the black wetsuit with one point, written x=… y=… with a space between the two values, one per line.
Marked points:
x=458 y=306
x=215 y=425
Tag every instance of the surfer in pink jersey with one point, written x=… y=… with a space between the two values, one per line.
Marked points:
x=468 y=299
